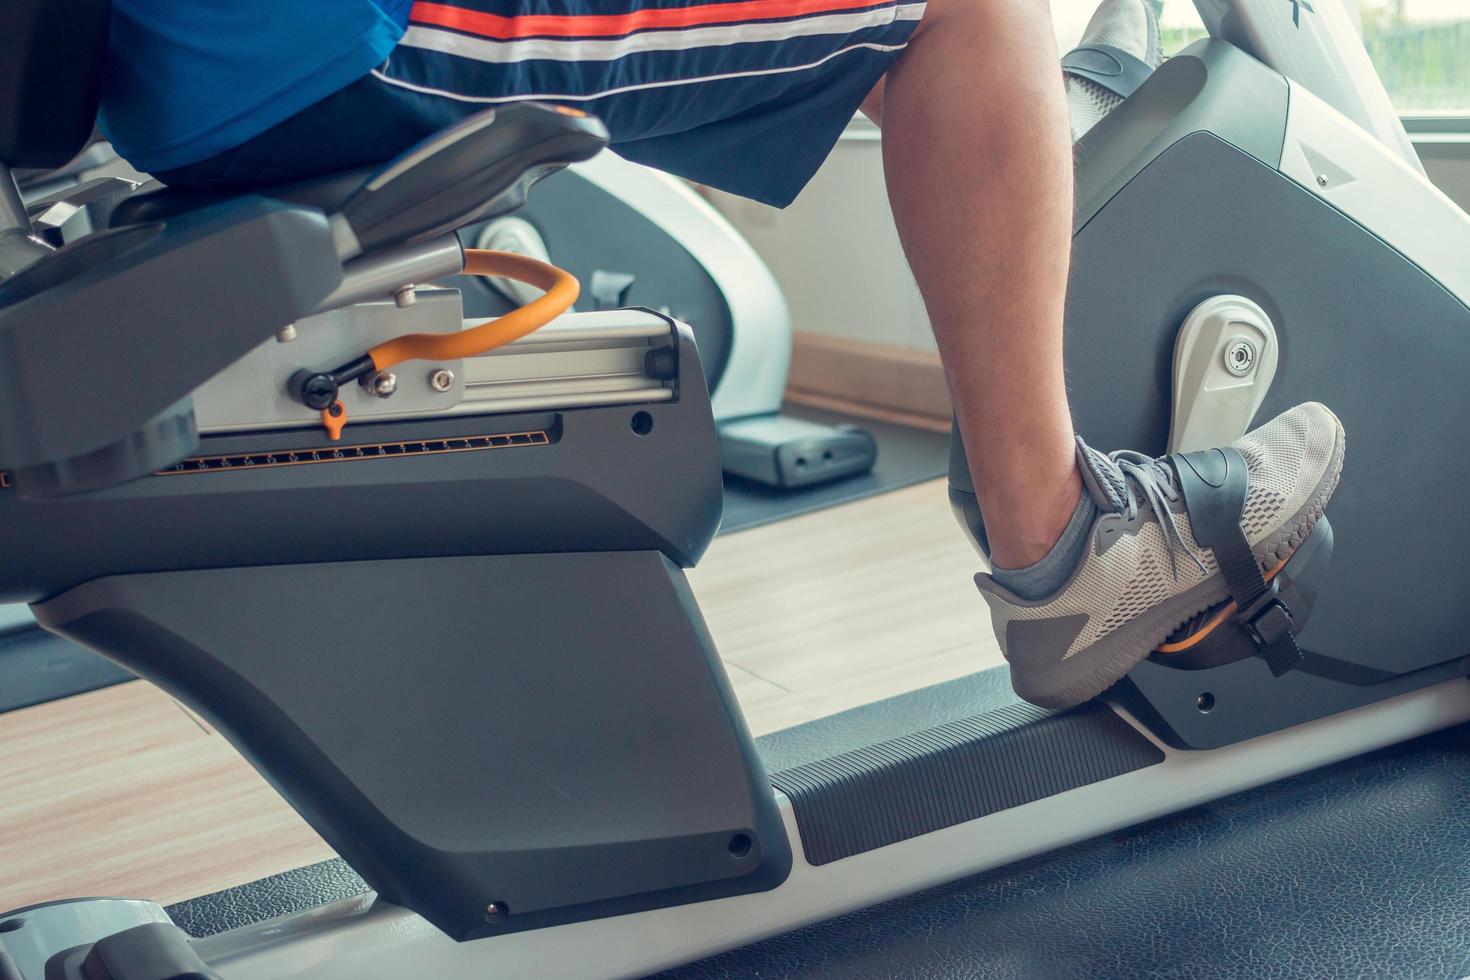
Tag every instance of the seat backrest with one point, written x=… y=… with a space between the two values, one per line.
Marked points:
x=52 y=55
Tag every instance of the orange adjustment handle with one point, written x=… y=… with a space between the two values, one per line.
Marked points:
x=334 y=418
x=561 y=289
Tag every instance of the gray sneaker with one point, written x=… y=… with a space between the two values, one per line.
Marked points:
x=1129 y=26
x=1145 y=574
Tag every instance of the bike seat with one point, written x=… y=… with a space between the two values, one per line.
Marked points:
x=154 y=201
x=478 y=168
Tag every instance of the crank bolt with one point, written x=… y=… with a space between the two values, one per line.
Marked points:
x=1240 y=357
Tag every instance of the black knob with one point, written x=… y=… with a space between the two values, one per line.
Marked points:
x=314 y=389
x=661 y=363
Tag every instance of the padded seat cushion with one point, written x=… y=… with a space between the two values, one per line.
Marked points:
x=155 y=202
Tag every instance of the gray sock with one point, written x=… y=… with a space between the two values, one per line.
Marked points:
x=1051 y=573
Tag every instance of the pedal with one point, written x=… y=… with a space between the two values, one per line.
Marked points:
x=1220 y=635
x=780 y=451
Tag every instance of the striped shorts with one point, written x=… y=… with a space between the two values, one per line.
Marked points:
x=745 y=95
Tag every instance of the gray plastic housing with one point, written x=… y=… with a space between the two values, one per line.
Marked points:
x=1199 y=209
x=93 y=343
x=594 y=485
x=480 y=675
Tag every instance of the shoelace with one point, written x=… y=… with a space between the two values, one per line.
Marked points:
x=1155 y=481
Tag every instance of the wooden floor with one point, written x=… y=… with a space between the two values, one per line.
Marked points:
x=123 y=792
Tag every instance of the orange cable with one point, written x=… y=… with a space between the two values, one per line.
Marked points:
x=561 y=289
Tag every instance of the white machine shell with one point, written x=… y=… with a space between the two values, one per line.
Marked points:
x=1314 y=43
x=1339 y=162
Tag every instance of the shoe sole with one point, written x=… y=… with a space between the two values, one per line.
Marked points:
x=1093 y=669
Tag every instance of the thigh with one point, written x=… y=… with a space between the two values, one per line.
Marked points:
x=748 y=95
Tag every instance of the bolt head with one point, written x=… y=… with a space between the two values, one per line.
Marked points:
x=441 y=380
x=1321 y=180
x=382 y=384
x=1240 y=357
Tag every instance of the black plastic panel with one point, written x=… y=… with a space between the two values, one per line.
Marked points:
x=330 y=881
x=928 y=780
x=431 y=719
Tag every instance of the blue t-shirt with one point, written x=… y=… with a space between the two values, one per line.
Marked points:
x=189 y=79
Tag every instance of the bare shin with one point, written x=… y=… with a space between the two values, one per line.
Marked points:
x=978 y=158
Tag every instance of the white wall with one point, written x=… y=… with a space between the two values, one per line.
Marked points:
x=835 y=251
x=1447 y=161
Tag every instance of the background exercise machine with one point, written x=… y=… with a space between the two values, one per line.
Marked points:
x=636 y=237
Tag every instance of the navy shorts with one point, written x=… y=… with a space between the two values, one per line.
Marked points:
x=748 y=96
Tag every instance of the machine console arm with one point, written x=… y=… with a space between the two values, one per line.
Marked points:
x=1316 y=45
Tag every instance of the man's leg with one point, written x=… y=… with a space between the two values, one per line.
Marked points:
x=1094 y=563
x=979 y=170
x=978 y=156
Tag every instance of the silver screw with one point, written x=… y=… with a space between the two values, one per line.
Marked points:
x=406 y=296
x=1321 y=180
x=286 y=334
x=1240 y=356
x=380 y=384
x=442 y=380
x=494 y=912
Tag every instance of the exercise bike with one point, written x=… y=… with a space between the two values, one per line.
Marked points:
x=417 y=619
x=635 y=237
x=652 y=241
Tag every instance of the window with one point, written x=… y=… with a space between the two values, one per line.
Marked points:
x=1420 y=47
x=1422 y=51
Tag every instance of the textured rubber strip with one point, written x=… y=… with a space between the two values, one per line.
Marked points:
x=287 y=893
x=919 y=783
